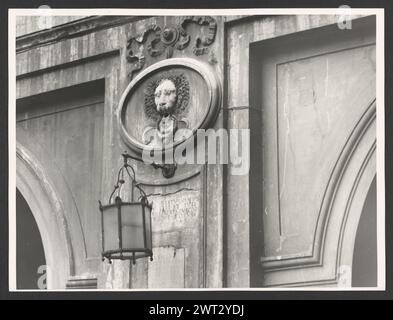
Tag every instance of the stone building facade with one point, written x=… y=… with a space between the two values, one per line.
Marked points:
x=305 y=89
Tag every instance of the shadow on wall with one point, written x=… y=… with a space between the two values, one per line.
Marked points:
x=364 y=266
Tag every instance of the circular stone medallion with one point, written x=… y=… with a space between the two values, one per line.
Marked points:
x=164 y=105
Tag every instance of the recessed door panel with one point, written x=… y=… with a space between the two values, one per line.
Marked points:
x=314 y=86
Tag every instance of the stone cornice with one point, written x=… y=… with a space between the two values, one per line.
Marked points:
x=75 y=283
x=72 y=29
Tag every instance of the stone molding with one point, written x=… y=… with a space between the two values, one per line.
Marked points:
x=81 y=283
x=70 y=30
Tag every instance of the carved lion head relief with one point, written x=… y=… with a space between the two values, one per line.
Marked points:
x=167 y=102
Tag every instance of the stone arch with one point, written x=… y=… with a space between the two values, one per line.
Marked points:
x=355 y=171
x=43 y=186
x=42 y=198
x=352 y=217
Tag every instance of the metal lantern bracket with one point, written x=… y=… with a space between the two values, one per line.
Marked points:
x=121 y=181
x=168 y=169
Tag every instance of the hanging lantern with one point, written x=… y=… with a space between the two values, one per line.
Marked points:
x=126 y=223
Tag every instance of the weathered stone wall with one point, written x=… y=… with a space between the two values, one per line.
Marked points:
x=68 y=95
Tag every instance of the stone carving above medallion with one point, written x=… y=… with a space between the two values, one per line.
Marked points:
x=156 y=41
x=164 y=105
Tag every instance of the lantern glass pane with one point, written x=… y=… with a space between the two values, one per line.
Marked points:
x=148 y=228
x=111 y=238
x=132 y=226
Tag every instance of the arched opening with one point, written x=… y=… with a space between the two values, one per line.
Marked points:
x=40 y=193
x=30 y=256
x=364 y=263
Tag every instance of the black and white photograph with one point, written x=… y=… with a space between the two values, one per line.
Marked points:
x=196 y=149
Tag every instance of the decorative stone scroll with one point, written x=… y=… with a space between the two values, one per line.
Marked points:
x=155 y=41
x=166 y=103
